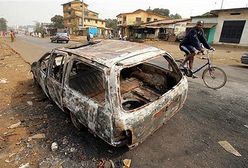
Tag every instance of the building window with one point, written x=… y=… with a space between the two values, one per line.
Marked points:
x=69 y=20
x=148 y=19
x=88 y=20
x=102 y=22
x=124 y=18
x=69 y=5
x=138 y=19
x=69 y=13
x=96 y=21
x=155 y=19
x=235 y=14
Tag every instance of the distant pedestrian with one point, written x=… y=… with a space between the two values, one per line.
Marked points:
x=90 y=37
x=12 y=36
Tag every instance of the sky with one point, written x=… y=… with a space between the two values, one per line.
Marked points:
x=27 y=12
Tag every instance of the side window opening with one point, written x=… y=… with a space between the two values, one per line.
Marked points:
x=57 y=67
x=145 y=83
x=88 y=81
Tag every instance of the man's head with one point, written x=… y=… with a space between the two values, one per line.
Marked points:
x=199 y=24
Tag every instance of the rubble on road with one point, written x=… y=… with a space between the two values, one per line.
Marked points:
x=30 y=103
x=24 y=165
x=15 y=125
x=54 y=146
x=127 y=163
x=229 y=148
x=3 y=81
x=37 y=136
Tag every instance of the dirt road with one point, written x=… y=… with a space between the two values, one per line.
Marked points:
x=190 y=139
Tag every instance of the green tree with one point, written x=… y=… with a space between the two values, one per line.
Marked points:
x=176 y=16
x=3 y=24
x=111 y=23
x=160 y=11
x=58 y=21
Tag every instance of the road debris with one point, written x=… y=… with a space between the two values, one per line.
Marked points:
x=105 y=164
x=15 y=125
x=127 y=163
x=30 y=93
x=24 y=165
x=30 y=103
x=229 y=148
x=3 y=81
x=1 y=138
x=37 y=136
x=54 y=146
x=73 y=150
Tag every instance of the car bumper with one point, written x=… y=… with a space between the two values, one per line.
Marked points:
x=244 y=60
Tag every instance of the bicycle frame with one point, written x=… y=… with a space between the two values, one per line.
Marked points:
x=209 y=63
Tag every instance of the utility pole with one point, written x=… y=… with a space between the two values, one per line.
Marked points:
x=222 y=4
x=82 y=14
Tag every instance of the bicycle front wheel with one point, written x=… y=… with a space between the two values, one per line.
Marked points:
x=214 y=77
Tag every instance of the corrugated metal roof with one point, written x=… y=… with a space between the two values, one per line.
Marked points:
x=110 y=52
x=206 y=25
x=164 y=22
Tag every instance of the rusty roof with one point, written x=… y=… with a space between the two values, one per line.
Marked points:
x=165 y=22
x=111 y=52
x=141 y=10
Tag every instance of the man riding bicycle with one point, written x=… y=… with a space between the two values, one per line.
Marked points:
x=192 y=43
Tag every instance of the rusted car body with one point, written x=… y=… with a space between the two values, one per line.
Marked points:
x=116 y=89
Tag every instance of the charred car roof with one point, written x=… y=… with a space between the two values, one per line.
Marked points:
x=111 y=52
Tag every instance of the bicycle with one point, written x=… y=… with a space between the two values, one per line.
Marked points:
x=213 y=76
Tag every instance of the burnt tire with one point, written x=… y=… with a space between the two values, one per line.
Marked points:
x=75 y=122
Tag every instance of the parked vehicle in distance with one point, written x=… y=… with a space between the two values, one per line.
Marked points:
x=60 y=37
x=244 y=58
x=121 y=91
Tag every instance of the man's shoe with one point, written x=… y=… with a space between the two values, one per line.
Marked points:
x=194 y=76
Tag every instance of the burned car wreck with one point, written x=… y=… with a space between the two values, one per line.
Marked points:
x=121 y=91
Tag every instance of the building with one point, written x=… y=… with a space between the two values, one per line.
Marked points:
x=126 y=22
x=73 y=19
x=161 y=29
x=210 y=24
x=232 y=27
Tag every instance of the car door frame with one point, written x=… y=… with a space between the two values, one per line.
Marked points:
x=41 y=75
x=55 y=87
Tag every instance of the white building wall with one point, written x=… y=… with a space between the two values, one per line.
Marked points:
x=225 y=16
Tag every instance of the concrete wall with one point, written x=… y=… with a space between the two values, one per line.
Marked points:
x=94 y=23
x=225 y=16
x=131 y=18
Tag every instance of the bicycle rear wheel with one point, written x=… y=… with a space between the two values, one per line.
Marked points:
x=214 y=77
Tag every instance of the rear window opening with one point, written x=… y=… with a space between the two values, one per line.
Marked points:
x=145 y=83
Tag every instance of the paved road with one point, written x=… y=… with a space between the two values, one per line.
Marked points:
x=32 y=48
x=189 y=139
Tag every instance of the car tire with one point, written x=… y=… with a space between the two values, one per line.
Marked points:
x=66 y=41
